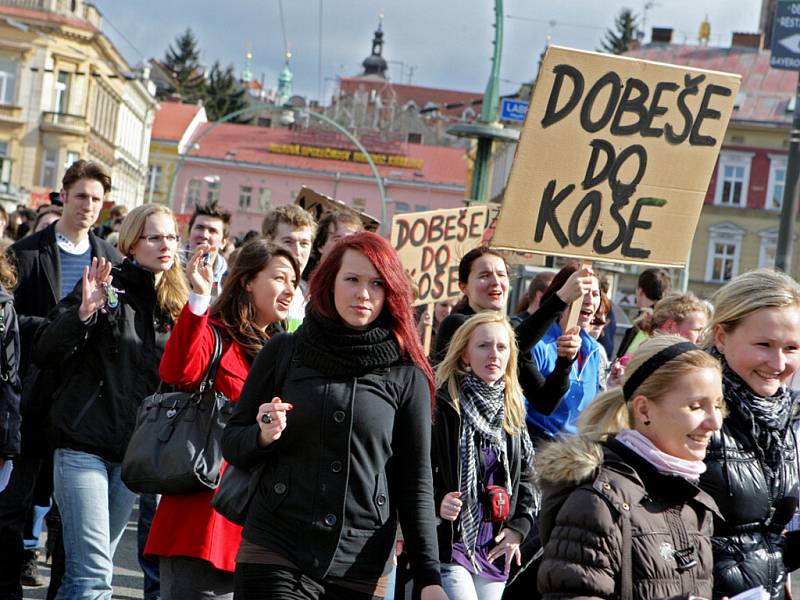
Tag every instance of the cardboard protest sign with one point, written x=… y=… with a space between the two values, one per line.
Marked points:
x=615 y=158
x=432 y=243
x=319 y=204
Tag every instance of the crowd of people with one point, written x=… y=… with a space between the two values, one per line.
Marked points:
x=522 y=455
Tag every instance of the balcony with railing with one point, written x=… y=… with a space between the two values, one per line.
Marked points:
x=64 y=123
x=10 y=114
x=77 y=9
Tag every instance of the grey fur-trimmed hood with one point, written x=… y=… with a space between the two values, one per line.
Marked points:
x=569 y=461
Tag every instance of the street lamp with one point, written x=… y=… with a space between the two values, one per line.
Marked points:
x=487 y=129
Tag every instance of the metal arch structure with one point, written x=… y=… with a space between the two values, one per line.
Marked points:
x=256 y=109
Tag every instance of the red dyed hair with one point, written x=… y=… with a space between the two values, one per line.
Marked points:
x=397 y=301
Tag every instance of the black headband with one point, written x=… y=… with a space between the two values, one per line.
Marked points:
x=653 y=363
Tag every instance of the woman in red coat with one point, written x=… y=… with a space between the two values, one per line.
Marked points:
x=197 y=546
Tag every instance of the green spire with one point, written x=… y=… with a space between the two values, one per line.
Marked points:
x=285 y=82
x=247 y=72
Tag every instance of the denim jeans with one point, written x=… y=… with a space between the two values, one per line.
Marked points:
x=460 y=584
x=95 y=507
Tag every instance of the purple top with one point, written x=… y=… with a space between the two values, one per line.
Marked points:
x=491 y=571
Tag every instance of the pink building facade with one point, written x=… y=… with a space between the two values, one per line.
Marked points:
x=250 y=170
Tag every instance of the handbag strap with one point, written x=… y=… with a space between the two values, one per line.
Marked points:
x=626 y=575
x=208 y=380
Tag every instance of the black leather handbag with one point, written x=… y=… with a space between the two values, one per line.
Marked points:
x=236 y=491
x=176 y=447
x=238 y=486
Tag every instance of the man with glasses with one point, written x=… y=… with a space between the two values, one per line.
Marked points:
x=49 y=264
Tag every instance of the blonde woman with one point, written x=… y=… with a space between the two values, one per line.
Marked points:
x=622 y=515
x=480 y=440
x=678 y=314
x=108 y=337
x=752 y=467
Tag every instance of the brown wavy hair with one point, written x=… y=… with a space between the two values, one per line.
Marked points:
x=235 y=308
x=8 y=273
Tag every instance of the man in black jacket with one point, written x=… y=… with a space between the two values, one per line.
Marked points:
x=49 y=264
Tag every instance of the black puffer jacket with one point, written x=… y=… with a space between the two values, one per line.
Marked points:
x=446 y=463
x=756 y=501
x=110 y=364
x=591 y=494
x=353 y=459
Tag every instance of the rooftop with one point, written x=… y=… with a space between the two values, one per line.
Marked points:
x=421 y=96
x=250 y=144
x=765 y=92
x=173 y=119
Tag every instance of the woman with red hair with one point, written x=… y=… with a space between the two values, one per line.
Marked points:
x=340 y=440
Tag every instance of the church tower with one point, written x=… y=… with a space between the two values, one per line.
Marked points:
x=375 y=64
x=285 y=82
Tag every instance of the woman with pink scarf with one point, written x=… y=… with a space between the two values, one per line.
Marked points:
x=622 y=515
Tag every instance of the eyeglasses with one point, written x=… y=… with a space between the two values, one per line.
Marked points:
x=156 y=239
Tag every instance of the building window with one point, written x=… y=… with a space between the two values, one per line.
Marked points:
x=724 y=260
x=420 y=207
x=724 y=250
x=193 y=191
x=245 y=197
x=777 y=182
x=62 y=92
x=401 y=207
x=5 y=168
x=8 y=80
x=768 y=248
x=72 y=157
x=49 y=168
x=733 y=179
x=264 y=199
x=414 y=138
x=212 y=196
x=153 y=179
x=360 y=204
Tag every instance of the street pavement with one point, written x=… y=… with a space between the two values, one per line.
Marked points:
x=128 y=579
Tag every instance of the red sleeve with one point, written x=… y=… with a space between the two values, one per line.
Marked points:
x=188 y=352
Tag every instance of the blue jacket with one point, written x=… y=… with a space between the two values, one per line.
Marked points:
x=584 y=382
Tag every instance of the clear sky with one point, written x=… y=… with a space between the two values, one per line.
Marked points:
x=448 y=43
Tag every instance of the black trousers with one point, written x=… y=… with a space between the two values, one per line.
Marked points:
x=256 y=582
x=15 y=501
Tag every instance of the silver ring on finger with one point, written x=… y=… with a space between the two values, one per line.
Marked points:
x=266 y=418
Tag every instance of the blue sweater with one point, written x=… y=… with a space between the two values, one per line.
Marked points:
x=584 y=382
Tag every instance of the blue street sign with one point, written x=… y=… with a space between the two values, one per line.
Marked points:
x=515 y=110
x=786 y=36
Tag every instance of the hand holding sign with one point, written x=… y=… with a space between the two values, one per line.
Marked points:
x=569 y=344
x=577 y=286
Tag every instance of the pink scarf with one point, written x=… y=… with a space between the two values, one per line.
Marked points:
x=663 y=462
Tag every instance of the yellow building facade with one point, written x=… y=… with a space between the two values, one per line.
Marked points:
x=67 y=93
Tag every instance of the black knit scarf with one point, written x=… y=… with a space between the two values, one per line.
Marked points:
x=767 y=418
x=336 y=350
